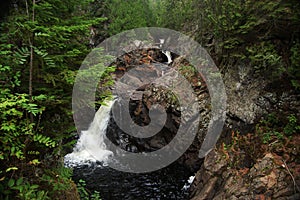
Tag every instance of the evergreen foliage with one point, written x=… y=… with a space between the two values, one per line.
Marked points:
x=43 y=43
x=42 y=46
x=126 y=15
x=263 y=34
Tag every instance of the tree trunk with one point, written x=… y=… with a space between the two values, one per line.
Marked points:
x=31 y=43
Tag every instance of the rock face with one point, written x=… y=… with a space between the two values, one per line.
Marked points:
x=249 y=98
x=150 y=83
x=264 y=176
x=269 y=178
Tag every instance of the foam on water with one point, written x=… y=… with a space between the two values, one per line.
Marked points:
x=90 y=147
x=189 y=183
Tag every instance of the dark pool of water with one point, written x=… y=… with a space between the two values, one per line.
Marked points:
x=163 y=184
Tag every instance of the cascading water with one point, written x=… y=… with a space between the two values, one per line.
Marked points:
x=90 y=146
x=90 y=156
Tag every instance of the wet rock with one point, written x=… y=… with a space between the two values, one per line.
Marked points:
x=207 y=190
x=146 y=83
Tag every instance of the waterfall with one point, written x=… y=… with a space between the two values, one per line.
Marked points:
x=90 y=146
x=168 y=54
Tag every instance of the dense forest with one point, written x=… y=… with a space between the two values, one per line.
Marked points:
x=43 y=43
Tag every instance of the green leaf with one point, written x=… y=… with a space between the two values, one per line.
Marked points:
x=11 y=183
x=34 y=162
x=11 y=168
x=34 y=187
x=19 y=181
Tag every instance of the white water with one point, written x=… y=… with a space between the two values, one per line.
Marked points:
x=168 y=54
x=90 y=146
x=189 y=183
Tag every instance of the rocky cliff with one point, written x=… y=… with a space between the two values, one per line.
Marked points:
x=250 y=161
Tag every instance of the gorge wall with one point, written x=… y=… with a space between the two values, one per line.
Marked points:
x=241 y=165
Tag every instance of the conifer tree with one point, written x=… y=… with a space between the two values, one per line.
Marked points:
x=42 y=46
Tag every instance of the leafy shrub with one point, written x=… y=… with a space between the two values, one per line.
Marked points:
x=273 y=130
x=294 y=69
x=85 y=194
